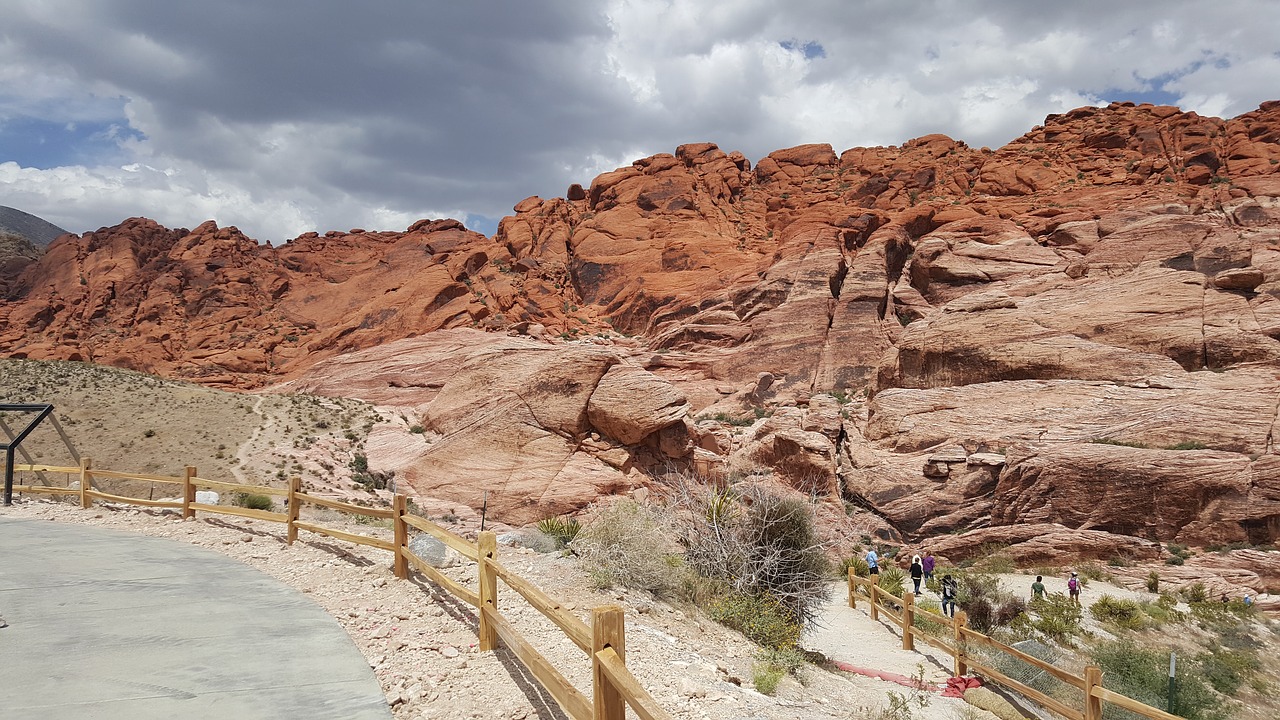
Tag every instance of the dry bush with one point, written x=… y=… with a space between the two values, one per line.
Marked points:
x=758 y=544
x=631 y=545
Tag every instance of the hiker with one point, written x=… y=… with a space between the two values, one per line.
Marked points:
x=1248 y=602
x=1073 y=587
x=1037 y=589
x=928 y=564
x=873 y=563
x=917 y=572
x=948 y=596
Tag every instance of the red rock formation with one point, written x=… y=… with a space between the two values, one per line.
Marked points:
x=1070 y=287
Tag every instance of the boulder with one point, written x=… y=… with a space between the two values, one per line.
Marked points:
x=630 y=403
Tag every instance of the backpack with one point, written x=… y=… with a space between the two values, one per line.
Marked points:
x=1073 y=585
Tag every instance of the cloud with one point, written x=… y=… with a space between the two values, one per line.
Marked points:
x=330 y=114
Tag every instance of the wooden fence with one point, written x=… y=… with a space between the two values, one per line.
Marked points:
x=903 y=611
x=604 y=641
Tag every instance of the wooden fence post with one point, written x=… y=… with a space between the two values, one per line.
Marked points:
x=188 y=492
x=295 y=487
x=1092 y=705
x=86 y=483
x=487 y=549
x=875 y=589
x=958 y=622
x=608 y=630
x=908 y=620
x=401 y=536
x=853 y=590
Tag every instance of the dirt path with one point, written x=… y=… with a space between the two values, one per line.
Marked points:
x=244 y=452
x=849 y=636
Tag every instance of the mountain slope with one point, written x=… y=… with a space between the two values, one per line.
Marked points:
x=38 y=230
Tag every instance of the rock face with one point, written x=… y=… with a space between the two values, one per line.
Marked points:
x=936 y=338
x=527 y=428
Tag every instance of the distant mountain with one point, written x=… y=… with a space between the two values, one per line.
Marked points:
x=39 y=231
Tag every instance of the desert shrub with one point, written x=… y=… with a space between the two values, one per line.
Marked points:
x=988 y=606
x=1226 y=670
x=1195 y=593
x=892 y=580
x=1057 y=617
x=254 y=501
x=766 y=677
x=998 y=563
x=933 y=627
x=759 y=544
x=1153 y=582
x=1144 y=676
x=760 y=618
x=1091 y=571
x=773 y=664
x=1008 y=610
x=1174 y=560
x=561 y=530
x=1115 y=611
x=631 y=545
x=858 y=564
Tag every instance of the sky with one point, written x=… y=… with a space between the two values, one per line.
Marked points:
x=312 y=115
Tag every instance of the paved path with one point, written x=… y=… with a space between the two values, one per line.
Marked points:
x=108 y=625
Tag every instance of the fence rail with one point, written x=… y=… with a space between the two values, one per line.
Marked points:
x=613 y=686
x=1090 y=684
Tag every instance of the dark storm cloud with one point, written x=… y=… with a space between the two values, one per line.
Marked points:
x=285 y=117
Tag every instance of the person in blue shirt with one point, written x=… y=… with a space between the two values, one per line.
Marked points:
x=873 y=562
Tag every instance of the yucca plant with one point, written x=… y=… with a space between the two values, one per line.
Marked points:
x=560 y=529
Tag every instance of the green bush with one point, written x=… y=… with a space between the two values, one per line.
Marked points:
x=1115 y=611
x=933 y=627
x=1226 y=670
x=559 y=529
x=773 y=664
x=254 y=501
x=1153 y=582
x=1057 y=617
x=1195 y=593
x=858 y=564
x=766 y=677
x=1189 y=445
x=760 y=618
x=892 y=579
x=1144 y=676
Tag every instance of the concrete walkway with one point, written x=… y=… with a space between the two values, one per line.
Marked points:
x=106 y=625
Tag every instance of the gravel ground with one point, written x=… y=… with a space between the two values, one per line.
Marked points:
x=421 y=642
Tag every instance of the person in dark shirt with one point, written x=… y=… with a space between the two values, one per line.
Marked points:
x=948 y=596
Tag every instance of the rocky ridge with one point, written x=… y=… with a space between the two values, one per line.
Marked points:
x=932 y=338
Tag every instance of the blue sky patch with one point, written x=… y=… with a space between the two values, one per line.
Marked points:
x=811 y=49
x=43 y=144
